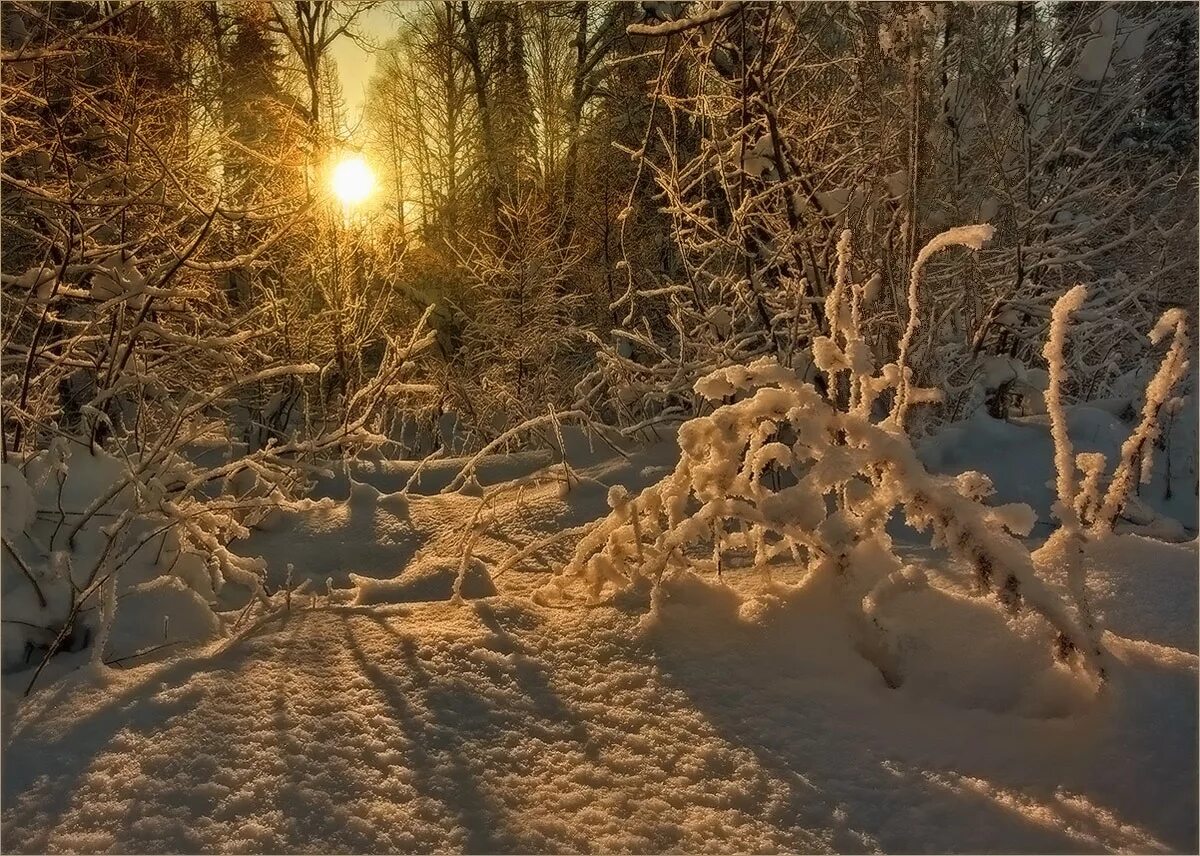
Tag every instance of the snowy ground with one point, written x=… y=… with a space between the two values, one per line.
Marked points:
x=740 y=718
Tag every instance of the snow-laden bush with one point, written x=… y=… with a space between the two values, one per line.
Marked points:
x=137 y=531
x=781 y=472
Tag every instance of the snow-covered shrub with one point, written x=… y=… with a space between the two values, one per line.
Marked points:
x=148 y=520
x=1065 y=545
x=780 y=471
x=1080 y=503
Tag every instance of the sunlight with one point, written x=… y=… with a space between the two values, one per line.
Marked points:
x=629 y=427
x=353 y=180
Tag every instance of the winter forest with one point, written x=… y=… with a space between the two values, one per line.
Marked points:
x=538 y=427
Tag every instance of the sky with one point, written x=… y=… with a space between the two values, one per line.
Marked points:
x=355 y=63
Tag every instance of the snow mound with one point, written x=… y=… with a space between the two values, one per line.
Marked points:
x=164 y=611
x=1157 y=603
x=17 y=501
x=429 y=579
x=367 y=533
x=955 y=651
x=962 y=652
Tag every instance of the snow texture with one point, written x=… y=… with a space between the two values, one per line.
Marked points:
x=741 y=722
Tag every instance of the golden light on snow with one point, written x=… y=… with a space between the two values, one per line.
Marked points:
x=352 y=180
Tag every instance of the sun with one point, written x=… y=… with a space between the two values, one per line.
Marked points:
x=352 y=180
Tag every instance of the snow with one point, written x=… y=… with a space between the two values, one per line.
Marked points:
x=164 y=610
x=428 y=580
x=1017 y=454
x=742 y=720
x=833 y=202
x=360 y=706
x=17 y=501
x=897 y=183
x=759 y=159
x=1114 y=42
x=633 y=546
x=1096 y=56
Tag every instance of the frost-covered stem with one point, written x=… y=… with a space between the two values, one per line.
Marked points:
x=111 y=532
x=415 y=477
x=242 y=615
x=1141 y=441
x=835 y=303
x=1066 y=544
x=99 y=502
x=469 y=468
x=464 y=560
x=840 y=325
x=1064 y=459
x=472 y=531
x=682 y=25
x=538 y=546
x=1087 y=500
x=623 y=217
x=637 y=531
x=61 y=478
x=973 y=237
x=63 y=632
x=153 y=649
x=562 y=446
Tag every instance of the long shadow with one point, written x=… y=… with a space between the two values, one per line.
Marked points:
x=454 y=729
x=876 y=765
x=533 y=680
x=40 y=777
x=440 y=720
x=264 y=757
x=439 y=744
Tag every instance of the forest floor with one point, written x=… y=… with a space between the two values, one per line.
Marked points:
x=381 y=717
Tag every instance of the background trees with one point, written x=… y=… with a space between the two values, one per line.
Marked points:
x=595 y=202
